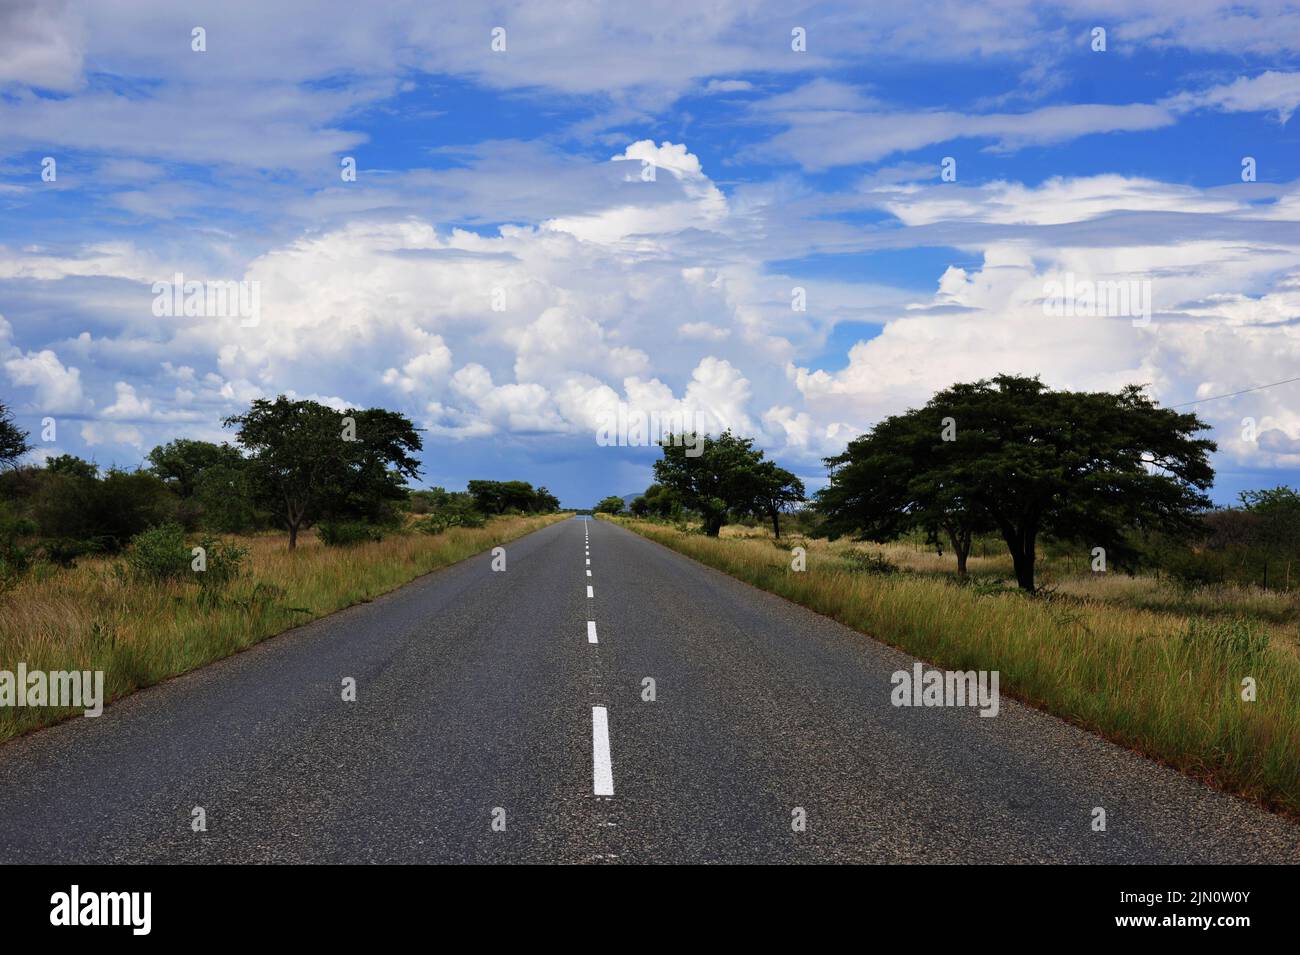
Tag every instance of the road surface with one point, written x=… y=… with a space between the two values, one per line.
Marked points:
x=500 y=717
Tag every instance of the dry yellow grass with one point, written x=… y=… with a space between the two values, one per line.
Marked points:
x=1164 y=679
x=97 y=617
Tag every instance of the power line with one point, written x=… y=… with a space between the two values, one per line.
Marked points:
x=1235 y=393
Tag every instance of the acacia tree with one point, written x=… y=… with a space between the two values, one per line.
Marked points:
x=307 y=462
x=1011 y=455
x=183 y=462
x=895 y=479
x=776 y=490
x=724 y=477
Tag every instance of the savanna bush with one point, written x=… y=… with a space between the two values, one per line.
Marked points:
x=865 y=562
x=348 y=533
x=225 y=561
x=159 y=553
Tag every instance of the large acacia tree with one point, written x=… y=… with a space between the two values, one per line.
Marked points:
x=1012 y=456
x=308 y=462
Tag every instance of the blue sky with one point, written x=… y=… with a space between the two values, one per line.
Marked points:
x=516 y=177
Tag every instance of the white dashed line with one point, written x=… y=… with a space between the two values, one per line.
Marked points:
x=602 y=769
x=588 y=561
x=588 y=573
x=591 y=631
x=589 y=593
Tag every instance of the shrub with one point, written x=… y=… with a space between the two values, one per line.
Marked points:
x=160 y=553
x=467 y=518
x=225 y=561
x=864 y=562
x=64 y=551
x=14 y=558
x=109 y=511
x=1193 y=569
x=348 y=533
x=439 y=521
x=434 y=524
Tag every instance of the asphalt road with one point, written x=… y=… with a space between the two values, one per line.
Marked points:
x=480 y=696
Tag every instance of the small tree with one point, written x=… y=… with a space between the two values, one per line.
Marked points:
x=610 y=505
x=724 y=476
x=662 y=502
x=182 y=463
x=776 y=490
x=489 y=496
x=308 y=462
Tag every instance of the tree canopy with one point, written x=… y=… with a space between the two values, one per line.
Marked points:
x=728 y=476
x=308 y=462
x=775 y=490
x=183 y=462
x=1012 y=456
x=498 y=497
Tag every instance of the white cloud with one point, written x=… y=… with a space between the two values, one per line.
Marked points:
x=1270 y=91
x=703 y=331
x=95 y=434
x=57 y=388
x=128 y=404
x=821 y=139
x=426 y=372
x=1057 y=200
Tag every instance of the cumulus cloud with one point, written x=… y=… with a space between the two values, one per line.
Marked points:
x=56 y=387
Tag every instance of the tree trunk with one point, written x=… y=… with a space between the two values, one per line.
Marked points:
x=712 y=526
x=1024 y=564
x=1021 y=544
x=776 y=524
x=293 y=536
x=961 y=543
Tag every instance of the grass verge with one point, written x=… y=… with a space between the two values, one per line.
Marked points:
x=1166 y=682
x=98 y=616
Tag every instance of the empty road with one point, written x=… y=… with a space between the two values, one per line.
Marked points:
x=503 y=717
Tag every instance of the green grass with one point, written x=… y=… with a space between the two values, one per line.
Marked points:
x=99 y=616
x=1141 y=666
